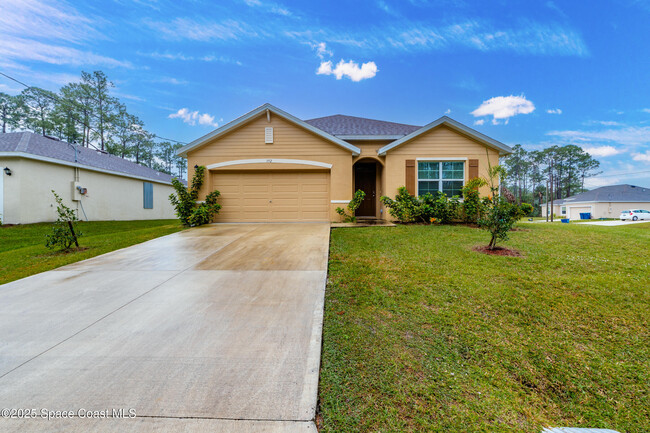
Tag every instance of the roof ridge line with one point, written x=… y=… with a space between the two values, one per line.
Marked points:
x=24 y=141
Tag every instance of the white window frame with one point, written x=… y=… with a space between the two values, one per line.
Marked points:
x=440 y=179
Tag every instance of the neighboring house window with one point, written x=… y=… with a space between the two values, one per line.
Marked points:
x=147 y=189
x=563 y=209
x=441 y=176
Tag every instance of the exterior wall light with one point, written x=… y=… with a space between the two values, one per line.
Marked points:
x=8 y=171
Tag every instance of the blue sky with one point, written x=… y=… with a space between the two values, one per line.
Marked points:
x=535 y=73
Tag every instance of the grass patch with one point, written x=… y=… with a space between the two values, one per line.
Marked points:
x=23 y=252
x=423 y=334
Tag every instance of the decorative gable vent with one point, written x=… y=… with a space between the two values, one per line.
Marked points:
x=268 y=135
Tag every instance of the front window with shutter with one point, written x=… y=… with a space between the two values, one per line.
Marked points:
x=446 y=177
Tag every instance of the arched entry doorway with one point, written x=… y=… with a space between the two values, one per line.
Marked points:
x=367 y=177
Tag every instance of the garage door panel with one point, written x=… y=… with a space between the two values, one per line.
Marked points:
x=293 y=203
x=314 y=188
x=574 y=212
x=272 y=196
x=285 y=189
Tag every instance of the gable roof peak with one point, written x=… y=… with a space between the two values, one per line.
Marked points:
x=253 y=114
x=453 y=124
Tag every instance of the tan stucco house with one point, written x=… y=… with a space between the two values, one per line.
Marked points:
x=603 y=202
x=97 y=185
x=271 y=166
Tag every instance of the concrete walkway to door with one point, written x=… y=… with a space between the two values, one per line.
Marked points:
x=216 y=328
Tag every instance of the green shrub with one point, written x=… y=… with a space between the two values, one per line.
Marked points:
x=439 y=206
x=407 y=208
x=63 y=230
x=184 y=201
x=526 y=209
x=352 y=207
x=472 y=208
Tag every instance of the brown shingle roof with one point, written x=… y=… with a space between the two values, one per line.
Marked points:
x=350 y=125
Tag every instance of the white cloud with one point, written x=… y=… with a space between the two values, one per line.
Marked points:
x=183 y=57
x=627 y=135
x=25 y=25
x=27 y=49
x=203 y=30
x=129 y=96
x=448 y=111
x=172 y=80
x=602 y=150
x=603 y=122
x=597 y=182
x=641 y=156
x=269 y=7
x=10 y=90
x=479 y=122
x=348 y=69
x=192 y=117
x=646 y=110
x=526 y=37
x=504 y=107
x=381 y=4
x=50 y=19
x=529 y=38
x=321 y=50
x=554 y=111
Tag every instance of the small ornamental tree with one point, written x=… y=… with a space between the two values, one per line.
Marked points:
x=184 y=201
x=352 y=207
x=63 y=230
x=500 y=214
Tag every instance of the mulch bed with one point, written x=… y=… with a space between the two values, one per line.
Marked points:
x=497 y=251
x=64 y=252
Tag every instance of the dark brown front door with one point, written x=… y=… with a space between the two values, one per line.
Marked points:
x=365 y=179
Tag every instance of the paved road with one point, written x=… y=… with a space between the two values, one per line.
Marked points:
x=216 y=328
x=589 y=222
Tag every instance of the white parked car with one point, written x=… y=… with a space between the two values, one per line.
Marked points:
x=635 y=215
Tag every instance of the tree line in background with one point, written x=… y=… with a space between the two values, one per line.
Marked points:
x=558 y=171
x=85 y=112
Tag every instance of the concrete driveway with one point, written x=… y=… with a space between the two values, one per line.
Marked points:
x=216 y=328
x=611 y=223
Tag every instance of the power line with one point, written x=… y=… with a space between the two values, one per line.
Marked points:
x=57 y=99
x=619 y=174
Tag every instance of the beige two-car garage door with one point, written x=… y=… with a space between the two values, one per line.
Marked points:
x=267 y=196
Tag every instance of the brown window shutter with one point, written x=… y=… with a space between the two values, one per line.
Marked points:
x=410 y=176
x=473 y=168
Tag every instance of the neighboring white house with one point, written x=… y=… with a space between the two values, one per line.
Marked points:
x=603 y=202
x=98 y=185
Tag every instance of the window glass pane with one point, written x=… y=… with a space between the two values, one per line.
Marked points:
x=452 y=187
x=453 y=170
x=427 y=186
x=428 y=170
x=147 y=193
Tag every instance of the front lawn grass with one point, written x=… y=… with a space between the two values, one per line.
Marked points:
x=423 y=334
x=23 y=252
